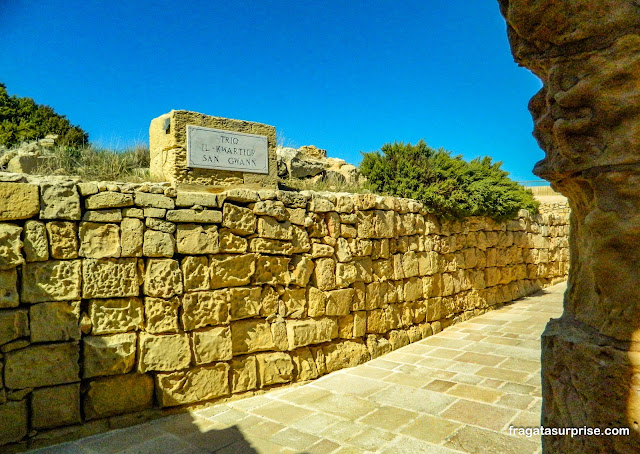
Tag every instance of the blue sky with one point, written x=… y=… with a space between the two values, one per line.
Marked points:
x=344 y=76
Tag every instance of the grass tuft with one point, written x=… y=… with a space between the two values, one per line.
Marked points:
x=95 y=164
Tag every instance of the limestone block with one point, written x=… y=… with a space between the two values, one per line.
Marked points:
x=316 y=302
x=232 y=270
x=97 y=240
x=117 y=395
x=300 y=270
x=147 y=200
x=321 y=250
x=380 y=249
x=345 y=326
x=296 y=215
x=435 y=309
x=18 y=201
x=348 y=231
x=14 y=419
x=339 y=302
x=360 y=247
x=42 y=365
x=343 y=251
x=163 y=352
x=348 y=353
x=359 y=323
x=269 y=246
x=274 y=368
x=10 y=246
x=57 y=321
x=410 y=266
x=239 y=220
x=377 y=321
x=324 y=274
x=251 y=335
x=63 y=239
x=54 y=280
x=383 y=269
x=384 y=224
x=275 y=209
x=116 y=315
x=293 y=199
x=108 y=355
x=304 y=364
x=413 y=289
x=319 y=204
x=9 y=288
x=244 y=374
x=244 y=302
x=318 y=355
x=56 y=406
x=158 y=244
x=112 y=215
x=230 y=242
x=196 y=273
x=163 y=278
x=294 y=302
x=13 y=325
x=272 y=270
x=212 y=344
x=377 y=345
x=59 y=201
x=269 y=227
x=189 y=199
x=376 y=295
x=205 y=308
x=310 y=331
x=36 y=246
x=333 y=224
x=359 y=296
x=151 y=212
x=194 y=385
x=162 y=315
x=299 y=240
x=279 y=334
x=398 y=339
x=241 y=195
x=108 y=199
x=131 y=233
x=346 y=274
x=364 y=269
x=492 y=276
x=197 y=239
x=270 y=302
x=195 y=216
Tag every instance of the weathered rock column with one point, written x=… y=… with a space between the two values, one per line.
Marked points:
x=587 y=119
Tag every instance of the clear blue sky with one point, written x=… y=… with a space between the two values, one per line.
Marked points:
x=344 y=76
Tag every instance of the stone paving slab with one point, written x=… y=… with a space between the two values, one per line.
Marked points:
x=455 y=392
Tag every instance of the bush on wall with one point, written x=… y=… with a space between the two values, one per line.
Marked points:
x=23 y=120
x=446 y=184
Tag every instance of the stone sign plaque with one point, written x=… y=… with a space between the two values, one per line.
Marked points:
x=209 y=148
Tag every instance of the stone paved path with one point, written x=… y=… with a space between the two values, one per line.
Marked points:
x=457 y=391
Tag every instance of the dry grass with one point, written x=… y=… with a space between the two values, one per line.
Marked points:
x=98 y=164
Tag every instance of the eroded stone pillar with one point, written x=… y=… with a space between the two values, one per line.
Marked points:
x=587 y=119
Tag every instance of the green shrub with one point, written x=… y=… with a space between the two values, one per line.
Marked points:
x=22 y=120
x=448 y=185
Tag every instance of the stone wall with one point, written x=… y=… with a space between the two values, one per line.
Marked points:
x=120 y=302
